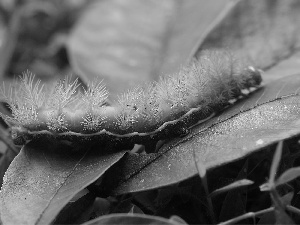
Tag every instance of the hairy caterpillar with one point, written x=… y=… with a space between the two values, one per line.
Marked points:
x=142 y=115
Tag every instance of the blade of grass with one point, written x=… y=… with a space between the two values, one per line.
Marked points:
x=236 y=184
x=202 y=173
x=275 y=164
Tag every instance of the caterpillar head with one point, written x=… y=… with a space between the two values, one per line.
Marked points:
x=254 y=76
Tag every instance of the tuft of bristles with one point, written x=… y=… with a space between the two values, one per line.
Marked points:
x=63 y=94
x=92 y=122
x=95 y=95
x=212 y=80
x=24 y=99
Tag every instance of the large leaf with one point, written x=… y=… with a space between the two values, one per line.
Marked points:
x=264 y=31
x=269 y=115
x=130 y=42
x=44 y=177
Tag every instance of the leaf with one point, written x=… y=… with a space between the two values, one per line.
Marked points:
x=270 y=115
x=44 y=177
x=177 y=220
x=234 y=185
x=267 y=218
x=288 y=176
x=263 y=31
x=135 y=209
x=116 y=41
x=193 y=22
x=281 y=215
x=284 y=68
x=265 y=187
x=131 y=219
x=5 y=161
x=75 y=210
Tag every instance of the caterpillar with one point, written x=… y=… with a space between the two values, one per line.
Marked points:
x=145 y=114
